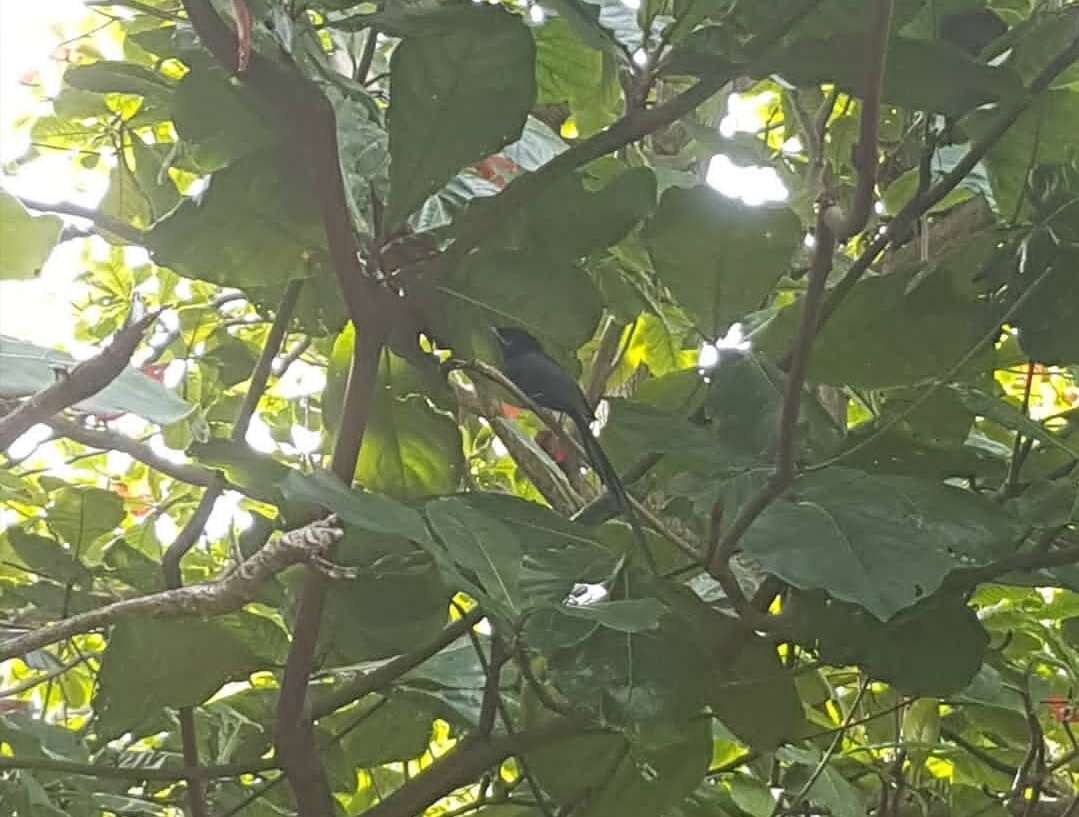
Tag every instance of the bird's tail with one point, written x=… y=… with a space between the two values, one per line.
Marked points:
x=602 y=466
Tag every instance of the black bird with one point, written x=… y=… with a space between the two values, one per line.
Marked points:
x=541 y=379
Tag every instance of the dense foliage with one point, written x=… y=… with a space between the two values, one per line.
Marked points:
x=821 y=257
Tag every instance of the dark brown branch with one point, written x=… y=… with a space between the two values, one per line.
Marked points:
x=102 y=221
x=82 y=382
x=462 y=765
x=792 y=400
x=207 y=599
x=295 y=737
x=866 y=152
x=1034 y=560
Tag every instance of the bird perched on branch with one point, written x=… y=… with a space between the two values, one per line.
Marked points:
x=545 y=382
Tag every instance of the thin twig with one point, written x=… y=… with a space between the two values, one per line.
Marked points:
x=30 y=683
x=830 y=751
x=102 y=221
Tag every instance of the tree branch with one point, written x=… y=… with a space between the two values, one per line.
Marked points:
x=102 y=221
x=207 y=599
x=106 y=440
x=462 y=764
x=876 y=53
x=792 y=401
x=82 y=382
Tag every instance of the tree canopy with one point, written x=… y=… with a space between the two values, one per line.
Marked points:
x=288 y=543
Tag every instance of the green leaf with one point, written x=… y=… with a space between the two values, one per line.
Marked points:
x=566 y=220
x=755 y=696
x=1014 y=418
x=396 y=601
x=82 y=515
x=109 y=77
x=258 y=226
x=390 y=731
x=242 y=465
x=471 y=84
x=719 y=257
x=410 y=448
x=606 y=25
x=1047 y=332
x=481 y=544
x=182 y=662
x=27 y=240
x=1043 y=134
x=557 y=553
x=364 y=509
x=606 y=776
x=625 y=616
x=934 y=648
x=48 y=558
x=913 y=69
x=752 y=795
x=555 y=300
x=883 y=543
x=569 y=70
x=891 y=330
x=218 y=121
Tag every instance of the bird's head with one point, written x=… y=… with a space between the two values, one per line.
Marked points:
x=513 y=341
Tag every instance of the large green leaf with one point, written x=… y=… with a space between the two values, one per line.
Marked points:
x=48 y=558
x=607 y=25
x=606 y=776
x=396 y=600
x=481 y=544
x=108 y=76
x=470 y=86
x=27 y=240
x=569 y=71
x=720 y=258
x=883 y=543
x=410 y=448
x=933 y=648
x=555 y=300
x=81 y=516
x=181 y=662
x=755 y=696
x=218 y=121
x=569 y=220
x=27 y=368
x=388 y=731
x=891 y=330
x=1043 y=134
x=556 y=554
x=365 y=509
x=1047 y=331
x=912 y=72
x=257 y=225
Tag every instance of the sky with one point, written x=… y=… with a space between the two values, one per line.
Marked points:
x=30 y=32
